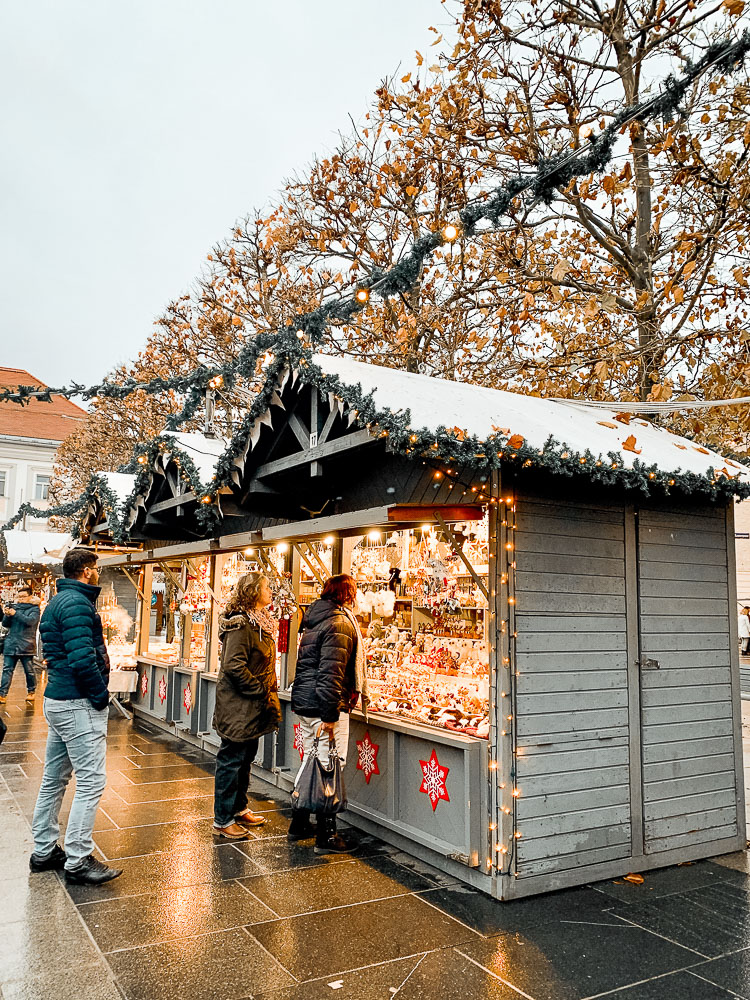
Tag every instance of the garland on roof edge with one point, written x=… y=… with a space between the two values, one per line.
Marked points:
x=448 y=445
x=541 y=185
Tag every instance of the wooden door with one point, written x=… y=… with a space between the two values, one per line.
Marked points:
x=573 y=687
x=688 y=742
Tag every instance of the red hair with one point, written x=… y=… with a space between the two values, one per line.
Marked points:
x=341 y=589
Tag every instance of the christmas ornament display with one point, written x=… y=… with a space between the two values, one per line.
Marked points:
x=425 y=623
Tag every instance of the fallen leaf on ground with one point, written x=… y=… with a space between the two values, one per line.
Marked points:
x=634 y=878
x=624 y=418
x=606 y=423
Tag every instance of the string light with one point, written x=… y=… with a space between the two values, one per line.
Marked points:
x=450 y=233
x=362 y=294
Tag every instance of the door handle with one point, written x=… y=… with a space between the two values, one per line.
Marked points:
x=645 y=663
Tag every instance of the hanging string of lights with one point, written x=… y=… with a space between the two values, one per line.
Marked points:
x=290 y=349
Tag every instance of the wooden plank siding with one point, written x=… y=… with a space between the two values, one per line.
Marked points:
x=572 y=735
x=689 y=766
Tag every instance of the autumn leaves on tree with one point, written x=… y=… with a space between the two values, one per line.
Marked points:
x=632 y=284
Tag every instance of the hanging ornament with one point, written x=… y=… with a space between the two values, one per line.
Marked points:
x=367 y=757
x=283 y=644
x=298 y=745
x=434 y=776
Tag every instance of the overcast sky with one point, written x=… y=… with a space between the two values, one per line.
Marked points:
x=134 y=134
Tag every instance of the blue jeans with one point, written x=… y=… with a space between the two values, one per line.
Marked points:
x=9 y=665
x=233 y=761
x=76 y=744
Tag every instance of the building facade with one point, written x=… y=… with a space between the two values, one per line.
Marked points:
x=29 y=437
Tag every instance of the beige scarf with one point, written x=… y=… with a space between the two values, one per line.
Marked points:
x=360 y=663
x=265 y=621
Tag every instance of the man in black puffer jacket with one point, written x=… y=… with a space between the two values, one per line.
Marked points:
x=323 y=692
x=76 y=707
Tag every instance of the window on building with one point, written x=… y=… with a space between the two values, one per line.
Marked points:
x=41 y=488
x=3 y=483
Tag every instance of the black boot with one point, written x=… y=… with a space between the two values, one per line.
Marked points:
x=327 y=841
x=300 y=828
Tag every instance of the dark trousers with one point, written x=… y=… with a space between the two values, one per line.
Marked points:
x=11 y=661
x=232 y=779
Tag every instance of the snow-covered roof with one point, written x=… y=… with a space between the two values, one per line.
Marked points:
x=43 y=548
x=204 y=451
x=482 y=412
x=120 y=483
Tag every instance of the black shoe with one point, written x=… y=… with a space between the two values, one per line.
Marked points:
x=300 y=827
x=91 y=872
x=53 y=862
x=327 y=841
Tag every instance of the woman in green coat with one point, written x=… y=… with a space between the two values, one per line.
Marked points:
x=247 y=703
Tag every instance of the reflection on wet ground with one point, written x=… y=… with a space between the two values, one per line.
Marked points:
x=194 y=919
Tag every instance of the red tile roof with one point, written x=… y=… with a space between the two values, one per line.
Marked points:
x=51 y=421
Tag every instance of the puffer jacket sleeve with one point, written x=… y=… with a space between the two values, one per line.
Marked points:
x=336 y=645
x=77 y=627
x=236 y=656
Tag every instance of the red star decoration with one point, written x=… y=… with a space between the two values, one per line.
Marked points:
x=367 y=757
x=433 y=780
x=163 y=690
x=144 y=685
x=298 y=745
x=187 y=698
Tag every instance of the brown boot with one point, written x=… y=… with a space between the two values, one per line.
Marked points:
x=233 y=832
x=249 y=818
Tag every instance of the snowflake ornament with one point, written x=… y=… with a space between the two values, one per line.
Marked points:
x=367 y=757
x=187 y=698
x=433 y=780
x=144 y=685
x=298 y=745
x=163 y=690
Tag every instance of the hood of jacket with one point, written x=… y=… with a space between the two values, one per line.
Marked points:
x=228 y=623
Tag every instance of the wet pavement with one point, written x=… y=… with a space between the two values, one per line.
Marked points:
x=191 y=919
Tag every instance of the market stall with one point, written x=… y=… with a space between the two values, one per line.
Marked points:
x=552 y=648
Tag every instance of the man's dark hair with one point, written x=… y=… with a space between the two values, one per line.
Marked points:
x=25 y=590
x=76 y=561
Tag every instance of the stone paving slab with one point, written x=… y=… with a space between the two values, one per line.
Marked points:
x=262 y=919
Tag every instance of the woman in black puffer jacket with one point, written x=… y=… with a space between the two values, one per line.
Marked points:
x=247 y=703
x=325 y=691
